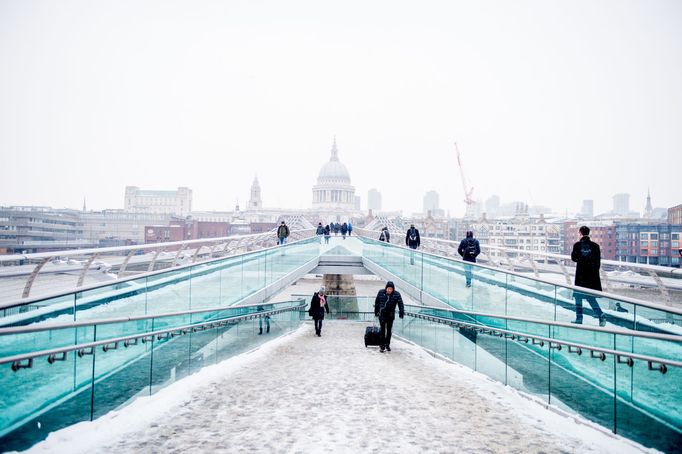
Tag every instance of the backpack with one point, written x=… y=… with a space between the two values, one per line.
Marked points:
x=470 y=249
x=413 y=236
x=382 y=237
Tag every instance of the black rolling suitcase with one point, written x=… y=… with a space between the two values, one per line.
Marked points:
x=372 y=336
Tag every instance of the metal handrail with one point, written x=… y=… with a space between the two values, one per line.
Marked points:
x=613 y=296
x=25 y=301
x=103 y=250
x=619 y=332
x=178 y=330
x=599 y=329
x=642 y=266
x=557 y=344
x=88 y=347
x=36 y=328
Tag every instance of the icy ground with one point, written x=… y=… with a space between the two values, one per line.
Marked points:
x=301 y=393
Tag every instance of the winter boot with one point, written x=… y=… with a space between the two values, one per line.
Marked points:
x=260 y=331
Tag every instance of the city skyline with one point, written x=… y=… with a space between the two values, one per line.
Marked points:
x=549 y=104
x=243 y=204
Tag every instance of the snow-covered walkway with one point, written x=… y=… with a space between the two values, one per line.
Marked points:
x=301 y=393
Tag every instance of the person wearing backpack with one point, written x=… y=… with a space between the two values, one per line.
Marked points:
x=385 y=235
x=587 y=256
x=320 y=231
x=344 y=230
x=469 y=248
x=412 y=241
x=282 y=233
x=384 y=308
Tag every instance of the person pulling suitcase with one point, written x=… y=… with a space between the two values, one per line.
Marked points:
x=384 y=308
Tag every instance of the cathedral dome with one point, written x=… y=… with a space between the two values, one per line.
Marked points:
x=333 y=190
x=333 y=170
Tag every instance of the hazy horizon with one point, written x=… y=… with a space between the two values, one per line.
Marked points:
x=550 y=103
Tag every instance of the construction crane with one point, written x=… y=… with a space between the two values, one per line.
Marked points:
x=468 y=192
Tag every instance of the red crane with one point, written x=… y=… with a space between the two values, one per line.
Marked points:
x=468 y=192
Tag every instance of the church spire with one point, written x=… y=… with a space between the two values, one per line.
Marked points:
x=335 y=151
x=649 y=210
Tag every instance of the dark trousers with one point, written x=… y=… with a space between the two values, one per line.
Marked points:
x=386 y=326
x=267 y=323
x=579 y=297
x=318 y=325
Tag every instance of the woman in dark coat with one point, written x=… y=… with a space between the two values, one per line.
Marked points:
x=318 y=305
x=327 y=233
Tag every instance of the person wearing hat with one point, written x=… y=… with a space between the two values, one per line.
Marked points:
x=384 y=308
x=320 y=231
x=469 y=248
x=318 y=305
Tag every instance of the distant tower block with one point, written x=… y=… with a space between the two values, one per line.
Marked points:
x=621 y=204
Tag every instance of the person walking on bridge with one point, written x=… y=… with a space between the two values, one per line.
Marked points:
x=318 y=305
x=260 y=308
x=344 y=230
x=320 y=231
x=412 y=241
x=282 y=233
x=385 y=235
x=469 y=249
x=587 y=255
x=384 y=308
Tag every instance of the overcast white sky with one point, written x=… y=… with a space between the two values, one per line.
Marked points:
x=550 y=102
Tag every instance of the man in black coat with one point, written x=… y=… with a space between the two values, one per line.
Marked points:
x=469 y=248
x=384 y=308
x=587 y=255
x=412 y=241
x=282 y=233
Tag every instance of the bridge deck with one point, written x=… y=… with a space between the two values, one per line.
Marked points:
x=301 y=393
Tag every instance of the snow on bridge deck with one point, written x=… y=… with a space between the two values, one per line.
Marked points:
x=301 y=393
